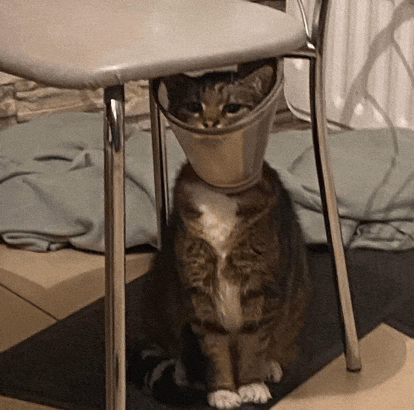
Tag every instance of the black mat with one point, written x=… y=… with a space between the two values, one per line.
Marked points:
x=63 y=366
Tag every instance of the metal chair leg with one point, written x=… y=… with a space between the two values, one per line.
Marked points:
x=160 y=168
x=114 y=248
x=330 y=209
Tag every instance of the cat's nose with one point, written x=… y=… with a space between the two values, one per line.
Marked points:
x=211 y=123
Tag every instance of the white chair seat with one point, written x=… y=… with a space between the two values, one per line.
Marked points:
x=101 y=43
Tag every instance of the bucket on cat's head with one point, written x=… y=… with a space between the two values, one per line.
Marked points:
x=230 y=158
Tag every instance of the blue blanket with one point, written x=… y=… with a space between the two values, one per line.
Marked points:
x=51 y=184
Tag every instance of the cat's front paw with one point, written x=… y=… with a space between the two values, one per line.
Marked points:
x=224 y=399
x=255 y=393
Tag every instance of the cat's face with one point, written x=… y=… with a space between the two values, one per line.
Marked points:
x=216 y=100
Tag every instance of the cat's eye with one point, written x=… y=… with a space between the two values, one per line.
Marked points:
x=194 y=107
x=232 y=108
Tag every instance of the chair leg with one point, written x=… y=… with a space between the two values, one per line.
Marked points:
x=114 y=248
x=330 y=210
x=160 y=169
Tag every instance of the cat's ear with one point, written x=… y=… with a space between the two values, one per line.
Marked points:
x=176 y=82
x=262 y=79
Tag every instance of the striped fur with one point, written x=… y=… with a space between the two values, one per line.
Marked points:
x=225 y=299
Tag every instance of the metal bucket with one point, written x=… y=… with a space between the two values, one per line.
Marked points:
x=229 y=158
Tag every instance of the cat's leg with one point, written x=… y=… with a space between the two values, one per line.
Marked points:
x=221 y=383
x=252 y=367
x=258 y=392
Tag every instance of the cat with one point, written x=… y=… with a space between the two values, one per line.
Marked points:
x=219 y=99
x=226 y=296
x=224 y=300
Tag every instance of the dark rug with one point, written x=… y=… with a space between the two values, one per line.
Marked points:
x=64 y=365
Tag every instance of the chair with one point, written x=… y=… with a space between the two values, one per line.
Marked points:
x=105 y=43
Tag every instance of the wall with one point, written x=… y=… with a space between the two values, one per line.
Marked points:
x=21 y=100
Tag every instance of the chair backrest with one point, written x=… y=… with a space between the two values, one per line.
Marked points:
x=315 y=31
x=369 y=60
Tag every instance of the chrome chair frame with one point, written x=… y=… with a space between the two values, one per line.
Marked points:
x=115 y=206
x=314 y=52
x=114 y=166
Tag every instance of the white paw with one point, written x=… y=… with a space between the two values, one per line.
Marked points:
x=224 y=399
x=275 y=372
x=255 y=393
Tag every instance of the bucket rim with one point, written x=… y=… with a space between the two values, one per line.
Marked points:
x=242 y=123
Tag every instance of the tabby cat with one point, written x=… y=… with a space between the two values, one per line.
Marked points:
x=218 y=99
x=225 y=298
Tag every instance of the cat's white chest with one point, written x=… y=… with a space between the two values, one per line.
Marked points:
x=217 y=226
x=218 y=217
x=217 y=222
